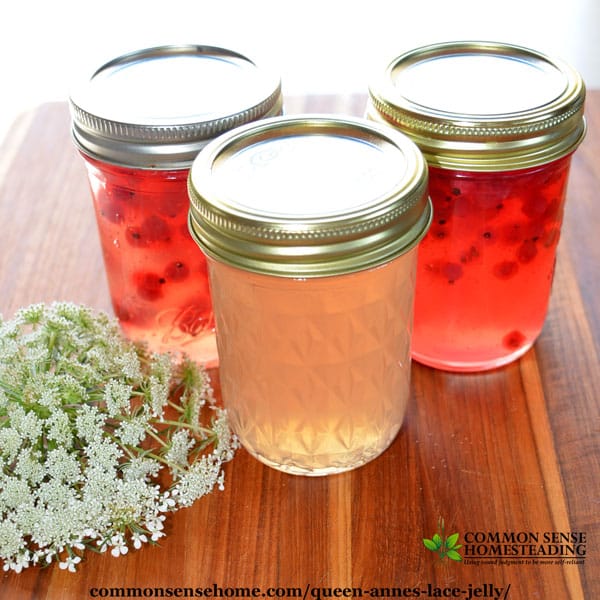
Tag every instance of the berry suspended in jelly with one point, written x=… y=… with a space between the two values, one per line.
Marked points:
x=152 y=230
x=112 y=211
x=177 y=271
x=506 y=269
x=513 y=340
x=452 y=271
x=171 y=207
x=534 y=207
x=527 y=251
x=150 y=286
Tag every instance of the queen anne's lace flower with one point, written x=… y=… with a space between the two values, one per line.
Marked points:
x=177 y=454
x=132 y=431
x=117 y=397
x=88 y=423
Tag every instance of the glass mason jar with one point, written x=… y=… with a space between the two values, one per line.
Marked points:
x=139 y=121
x=311 y=225
x=497 y=125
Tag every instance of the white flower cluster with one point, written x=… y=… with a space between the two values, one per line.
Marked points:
x=98 y=438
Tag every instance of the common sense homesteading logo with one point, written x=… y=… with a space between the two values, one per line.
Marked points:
x=508 y=547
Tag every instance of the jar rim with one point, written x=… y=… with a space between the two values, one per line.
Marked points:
x=470 y=127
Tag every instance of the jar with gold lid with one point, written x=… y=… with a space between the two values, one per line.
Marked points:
x=139 y=121
x=497 y=124
x=310 y=225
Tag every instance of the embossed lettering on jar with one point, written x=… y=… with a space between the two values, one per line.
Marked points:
x=139 y=121
x=498 y=125
x=311 y=226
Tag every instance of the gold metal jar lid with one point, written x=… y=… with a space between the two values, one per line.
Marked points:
x=308 y=196
x=157 y=107
x=482 y=105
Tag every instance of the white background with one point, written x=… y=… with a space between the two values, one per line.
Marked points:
x=318 y=46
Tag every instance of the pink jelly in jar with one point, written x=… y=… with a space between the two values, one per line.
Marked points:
x=498 y=125
x=139 y=121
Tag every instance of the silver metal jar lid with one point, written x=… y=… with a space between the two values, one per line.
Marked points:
x=308 y=196
x=156 y=108
x=482 y=105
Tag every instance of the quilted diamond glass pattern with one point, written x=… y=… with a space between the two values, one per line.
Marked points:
x=315 y=373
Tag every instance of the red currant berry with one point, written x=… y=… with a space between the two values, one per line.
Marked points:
x=534 y=207
x=153 y=230
x=512 y=234
x=112 y=211
x=149 y=286
x=171 y=205
x=177 y=271
x=452 y=271
x=527 y=251
x=506 y=269
x=513 y=340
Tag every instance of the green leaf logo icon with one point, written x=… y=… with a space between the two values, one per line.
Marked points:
x=444 y=546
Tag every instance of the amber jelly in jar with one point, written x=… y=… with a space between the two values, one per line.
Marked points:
x=311 y=226
x=498 y=125
x=139 y=121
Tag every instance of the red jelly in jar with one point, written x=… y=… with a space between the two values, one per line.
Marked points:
x=139 y=121
x=498 y=125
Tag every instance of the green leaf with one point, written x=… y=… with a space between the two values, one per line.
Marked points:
x=451 y=541
x=430 y=545
x=454 y=555
x=437 y=540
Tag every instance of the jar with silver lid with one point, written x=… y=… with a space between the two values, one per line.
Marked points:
x=497 y=124
x=310 y=225
x=139 y=121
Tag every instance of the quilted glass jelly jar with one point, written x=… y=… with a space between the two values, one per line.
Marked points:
x=311 y=226
x=139 y=121
x=497 y=125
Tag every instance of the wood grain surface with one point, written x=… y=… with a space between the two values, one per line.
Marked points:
x=513 y=450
